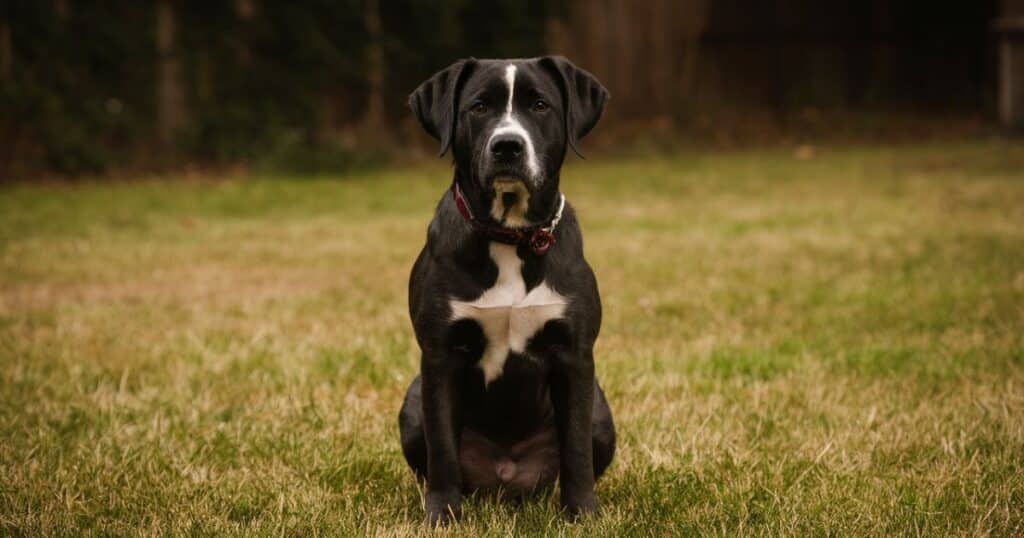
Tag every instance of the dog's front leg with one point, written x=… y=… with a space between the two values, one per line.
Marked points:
x=442 y=426
x=572 y=395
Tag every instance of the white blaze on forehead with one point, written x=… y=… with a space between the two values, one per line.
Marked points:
x=510 y=80
x=509 y=124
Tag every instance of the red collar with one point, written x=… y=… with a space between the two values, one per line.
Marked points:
x=540 y=238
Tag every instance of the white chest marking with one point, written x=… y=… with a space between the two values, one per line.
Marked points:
x=510 y=124
x=508 y=315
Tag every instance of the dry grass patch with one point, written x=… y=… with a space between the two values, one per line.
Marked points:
x=831 y=346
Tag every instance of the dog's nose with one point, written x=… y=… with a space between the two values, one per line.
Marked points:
x=507 y=147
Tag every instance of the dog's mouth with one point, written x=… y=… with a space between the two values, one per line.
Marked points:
x=511 y=201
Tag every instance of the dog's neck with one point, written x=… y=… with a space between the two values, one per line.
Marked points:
x=542 y=204
x=539 y=235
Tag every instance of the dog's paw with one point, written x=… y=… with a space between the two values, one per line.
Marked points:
x=443 y=507
x=577 y=505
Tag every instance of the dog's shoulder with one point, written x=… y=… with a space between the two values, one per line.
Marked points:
x=448 y=230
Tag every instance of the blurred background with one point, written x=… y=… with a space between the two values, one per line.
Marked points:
x=806 y=218
x=89 y=87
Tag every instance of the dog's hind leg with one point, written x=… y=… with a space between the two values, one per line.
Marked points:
x=603 y=431
x=410 y=429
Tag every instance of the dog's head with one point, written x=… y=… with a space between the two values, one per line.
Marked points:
x=509 y=124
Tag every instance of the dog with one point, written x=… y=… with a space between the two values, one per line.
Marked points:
x=504 y=306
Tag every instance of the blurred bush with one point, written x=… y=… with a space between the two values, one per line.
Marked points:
x=88 y=85
x=258 y=80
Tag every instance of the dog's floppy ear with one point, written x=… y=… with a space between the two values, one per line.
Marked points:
x=583 y=98
x=435 y=101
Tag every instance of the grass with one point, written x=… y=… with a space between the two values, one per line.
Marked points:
x=829 y=346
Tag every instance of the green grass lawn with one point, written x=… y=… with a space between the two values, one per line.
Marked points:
x=804 y=347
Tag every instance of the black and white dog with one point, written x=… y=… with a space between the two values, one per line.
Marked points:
x=504 y=306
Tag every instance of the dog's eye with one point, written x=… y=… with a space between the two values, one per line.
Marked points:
x=540 y=105
x=478 y=108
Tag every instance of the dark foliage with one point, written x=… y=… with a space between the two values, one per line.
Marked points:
x=272 y=83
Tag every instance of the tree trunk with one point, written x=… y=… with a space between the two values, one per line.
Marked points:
x=693 y=16
x=373 y=121
x=170 y=99
x=1010 y=28
x=6 y=52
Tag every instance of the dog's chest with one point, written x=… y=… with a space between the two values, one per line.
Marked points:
x=508 y=314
